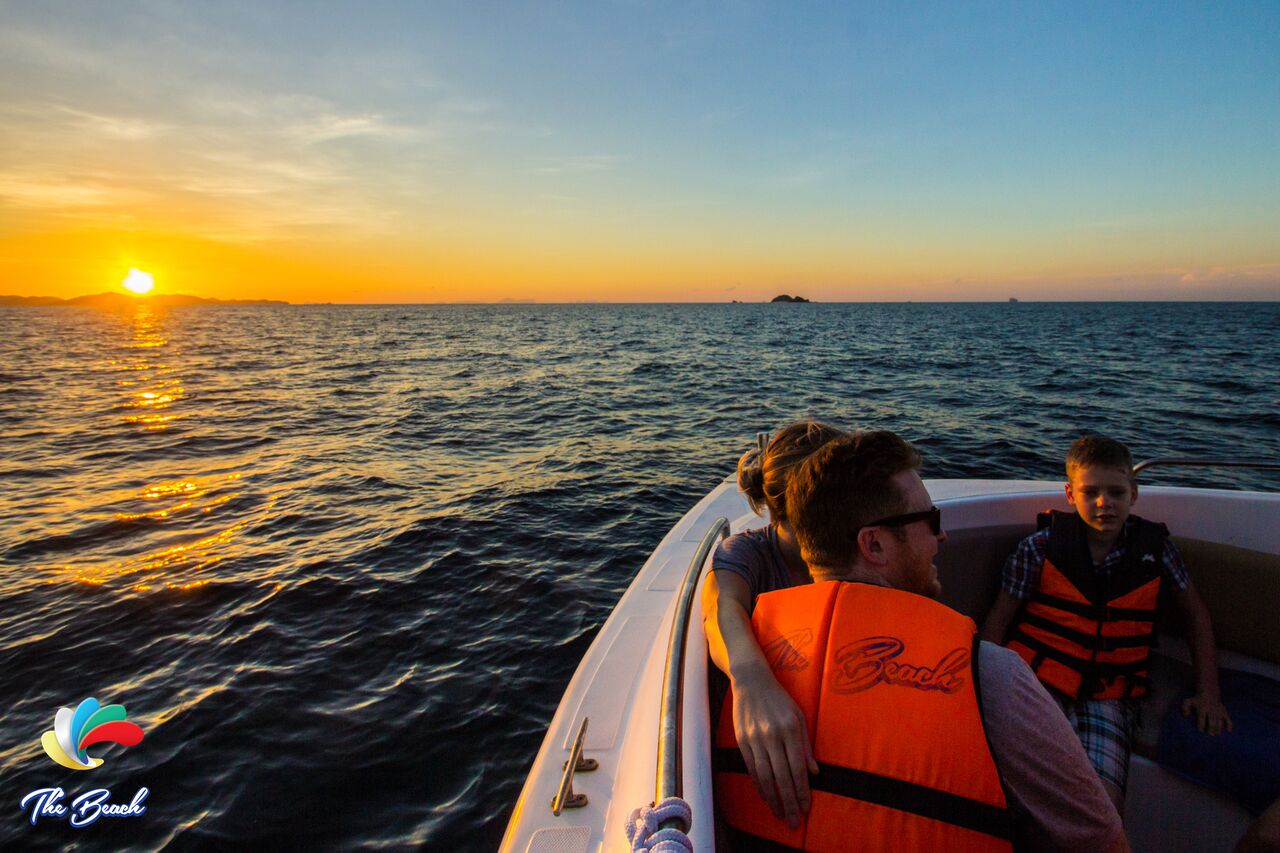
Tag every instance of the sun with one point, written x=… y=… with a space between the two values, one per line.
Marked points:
x=138 y=281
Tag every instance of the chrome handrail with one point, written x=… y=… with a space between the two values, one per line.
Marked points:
x=670 y=768
x=1205 y=463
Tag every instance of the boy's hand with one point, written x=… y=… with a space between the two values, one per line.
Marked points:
x=1211 y=714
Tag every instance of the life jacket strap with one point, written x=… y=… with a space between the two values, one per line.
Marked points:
x=893 y=793
x=1100 y=613
x=1095 y=676
x=1102 y=643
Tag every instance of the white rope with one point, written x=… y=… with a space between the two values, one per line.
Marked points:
x=643 y=833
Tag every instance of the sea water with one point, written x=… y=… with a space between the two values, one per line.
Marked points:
x=339 y=563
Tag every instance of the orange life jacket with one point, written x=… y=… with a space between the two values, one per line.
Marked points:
x=887 y=681
x=1088 y=635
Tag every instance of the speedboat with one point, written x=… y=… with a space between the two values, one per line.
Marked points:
x=634 y=728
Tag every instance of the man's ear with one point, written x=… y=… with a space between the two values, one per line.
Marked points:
x=869 y=547
x=1133 y=498
x=1067 y=489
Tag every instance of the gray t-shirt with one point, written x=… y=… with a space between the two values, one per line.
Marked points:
x=1056 y=798
x=754 y=556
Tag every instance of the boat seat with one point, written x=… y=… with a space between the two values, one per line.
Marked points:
x=1240 y=588
x=1244 y=626
x=970 y=563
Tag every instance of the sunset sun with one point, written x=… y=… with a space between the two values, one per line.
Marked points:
x=138 y=281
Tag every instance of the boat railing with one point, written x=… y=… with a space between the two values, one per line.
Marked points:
x=1191 y=462
x=670 y=763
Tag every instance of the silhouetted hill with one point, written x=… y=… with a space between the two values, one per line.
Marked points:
x=785 y=298
x=123 y=300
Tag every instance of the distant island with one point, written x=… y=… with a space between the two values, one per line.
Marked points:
x=122 y=300
x=785 y=298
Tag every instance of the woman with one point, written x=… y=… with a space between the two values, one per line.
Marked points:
x=769 y=726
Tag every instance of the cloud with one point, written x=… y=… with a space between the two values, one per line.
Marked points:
x=582 y=163
x=144 y=115
x=1255 y=274
x=116 y=127
x=54 y=191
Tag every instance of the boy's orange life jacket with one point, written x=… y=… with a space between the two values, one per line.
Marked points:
x=1088 y=635
x=887 y=681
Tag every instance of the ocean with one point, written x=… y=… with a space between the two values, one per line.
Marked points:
x=339 y=563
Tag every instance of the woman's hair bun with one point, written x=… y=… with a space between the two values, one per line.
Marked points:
x=751 y=478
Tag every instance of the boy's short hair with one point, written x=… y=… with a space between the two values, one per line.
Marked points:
x=1097 y=451
x=843 y=486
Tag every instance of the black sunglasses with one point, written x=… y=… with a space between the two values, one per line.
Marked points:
x=933 y=515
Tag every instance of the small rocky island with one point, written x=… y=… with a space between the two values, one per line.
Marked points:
x=785 y=298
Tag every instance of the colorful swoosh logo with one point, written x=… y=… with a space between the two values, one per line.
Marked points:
x=88 y=724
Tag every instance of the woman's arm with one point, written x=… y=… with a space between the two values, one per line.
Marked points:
x=768 y=724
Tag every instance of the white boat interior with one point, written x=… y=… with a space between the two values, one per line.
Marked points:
x=1230 y=541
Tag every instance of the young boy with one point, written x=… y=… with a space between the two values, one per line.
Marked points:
x=1081 y=596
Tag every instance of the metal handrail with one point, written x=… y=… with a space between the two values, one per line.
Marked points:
x=1205 y=463
x=670 y=766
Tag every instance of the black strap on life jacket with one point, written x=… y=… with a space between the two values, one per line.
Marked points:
x=1102 y=643
x=1095 y=676
x=892 y=793
x=1100 y=614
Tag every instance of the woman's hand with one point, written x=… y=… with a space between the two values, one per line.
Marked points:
x=774 y=741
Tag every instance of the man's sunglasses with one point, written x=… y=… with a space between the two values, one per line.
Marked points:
x=933 y=515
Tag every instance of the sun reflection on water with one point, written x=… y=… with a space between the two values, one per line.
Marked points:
x=180 y=566
x=152 y=384
x=204 y=515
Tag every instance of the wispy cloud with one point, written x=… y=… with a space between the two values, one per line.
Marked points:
x=54 y=191
x=1258 y=273
x=253 y=154
x=116 y=127
x=1252 y=277
x=582 y=163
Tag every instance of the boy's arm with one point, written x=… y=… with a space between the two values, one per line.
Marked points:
x=1000 y=617
x=1211 y=714
x=769 y=726
x=1019 y=579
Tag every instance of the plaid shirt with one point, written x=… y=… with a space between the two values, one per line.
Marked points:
x=1021 y=574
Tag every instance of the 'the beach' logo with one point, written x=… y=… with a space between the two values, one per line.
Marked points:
x=89 y=723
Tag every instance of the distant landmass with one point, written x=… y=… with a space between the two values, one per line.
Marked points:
x=785 y=298
x=123 y=300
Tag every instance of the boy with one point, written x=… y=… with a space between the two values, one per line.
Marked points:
x=1081 y=596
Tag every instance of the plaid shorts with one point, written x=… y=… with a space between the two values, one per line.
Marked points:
x=1105 y=727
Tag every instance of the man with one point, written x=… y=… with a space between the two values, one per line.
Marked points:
x=900 y=699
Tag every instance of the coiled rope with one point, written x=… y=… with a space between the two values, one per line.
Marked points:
x=644 y=835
